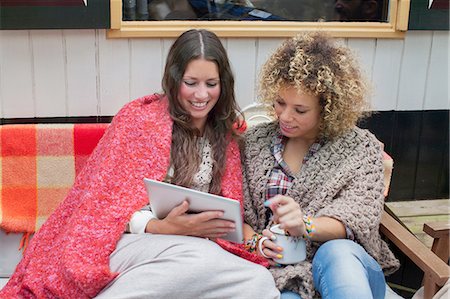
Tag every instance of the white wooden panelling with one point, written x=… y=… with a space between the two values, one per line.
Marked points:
x=16 y=86
x=81 y=67
x=244 y=68
x=81 y=73
x=437 y=95
x=413 y=72
x=1 y=74
x=49 y=73
x=365 y=52
x=385 y=75
x=3 y=282
x=264 y=48
x=146 y=63
x=2 y=40
x=114 y=72
x=224 y=42
x=166 y=44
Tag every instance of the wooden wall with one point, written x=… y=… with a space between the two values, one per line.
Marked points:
x=80 y=73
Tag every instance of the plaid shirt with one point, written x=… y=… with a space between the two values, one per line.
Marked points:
x=281 y=177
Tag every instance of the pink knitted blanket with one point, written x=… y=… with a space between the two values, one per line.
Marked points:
x=69 y=256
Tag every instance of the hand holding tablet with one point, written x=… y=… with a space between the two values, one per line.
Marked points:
x=164 y=197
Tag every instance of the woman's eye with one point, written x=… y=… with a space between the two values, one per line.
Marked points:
x=300 y=111
x=211 y=84
x=189 y=83
x=280 y=103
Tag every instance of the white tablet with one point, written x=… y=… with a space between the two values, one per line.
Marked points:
x=164 y=197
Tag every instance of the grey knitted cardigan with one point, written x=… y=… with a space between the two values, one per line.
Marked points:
x=343 y=180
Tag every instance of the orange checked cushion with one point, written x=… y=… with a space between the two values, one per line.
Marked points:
x=38 y=165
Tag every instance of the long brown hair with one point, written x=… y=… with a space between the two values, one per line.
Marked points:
x=185 y=156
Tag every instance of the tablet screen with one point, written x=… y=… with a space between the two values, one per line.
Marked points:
x=163 y=197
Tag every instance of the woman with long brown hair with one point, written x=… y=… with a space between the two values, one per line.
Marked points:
x=186 y=136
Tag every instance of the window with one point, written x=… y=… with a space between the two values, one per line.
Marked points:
x=259 y=18
x=54 y=14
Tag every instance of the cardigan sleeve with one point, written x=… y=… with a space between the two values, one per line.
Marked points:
x=359 y=202
x=257 y=163
x=249 y=212
x=249 y=150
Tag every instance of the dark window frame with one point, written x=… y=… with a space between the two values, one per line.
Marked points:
x=96 y=15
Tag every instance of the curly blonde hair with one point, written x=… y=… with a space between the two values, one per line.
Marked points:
x=314 y=63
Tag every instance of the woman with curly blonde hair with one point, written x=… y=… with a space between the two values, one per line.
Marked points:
x=318 y=175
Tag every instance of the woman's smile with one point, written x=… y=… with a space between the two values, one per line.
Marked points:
x=199 y=105
x=287 y=128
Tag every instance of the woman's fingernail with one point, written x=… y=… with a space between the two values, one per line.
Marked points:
x=279 y=256
x=279 y=248
x=267 y=203
x=278 y=265
x=273 y=237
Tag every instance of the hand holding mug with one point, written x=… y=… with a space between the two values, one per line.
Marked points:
x=280 y=247
x=267 y=247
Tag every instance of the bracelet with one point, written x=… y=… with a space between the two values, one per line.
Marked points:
x=310 y=228
x=250 y=245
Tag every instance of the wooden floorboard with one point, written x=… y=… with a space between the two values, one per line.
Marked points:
x=415 y=213
x=420 y=207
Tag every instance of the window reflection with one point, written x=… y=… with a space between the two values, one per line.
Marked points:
x=360 y=10
x=268 y=10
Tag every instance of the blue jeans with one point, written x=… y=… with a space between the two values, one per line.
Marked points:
x=289 y=295
x=343 y=269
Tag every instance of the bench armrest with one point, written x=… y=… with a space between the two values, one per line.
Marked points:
x=439 y=231
x=434 y=268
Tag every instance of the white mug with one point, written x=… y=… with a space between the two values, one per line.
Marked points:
x=294 y=248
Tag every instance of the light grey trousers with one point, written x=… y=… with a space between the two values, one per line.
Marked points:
x=179 y=267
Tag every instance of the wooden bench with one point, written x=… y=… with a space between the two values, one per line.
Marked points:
x=62 y=140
